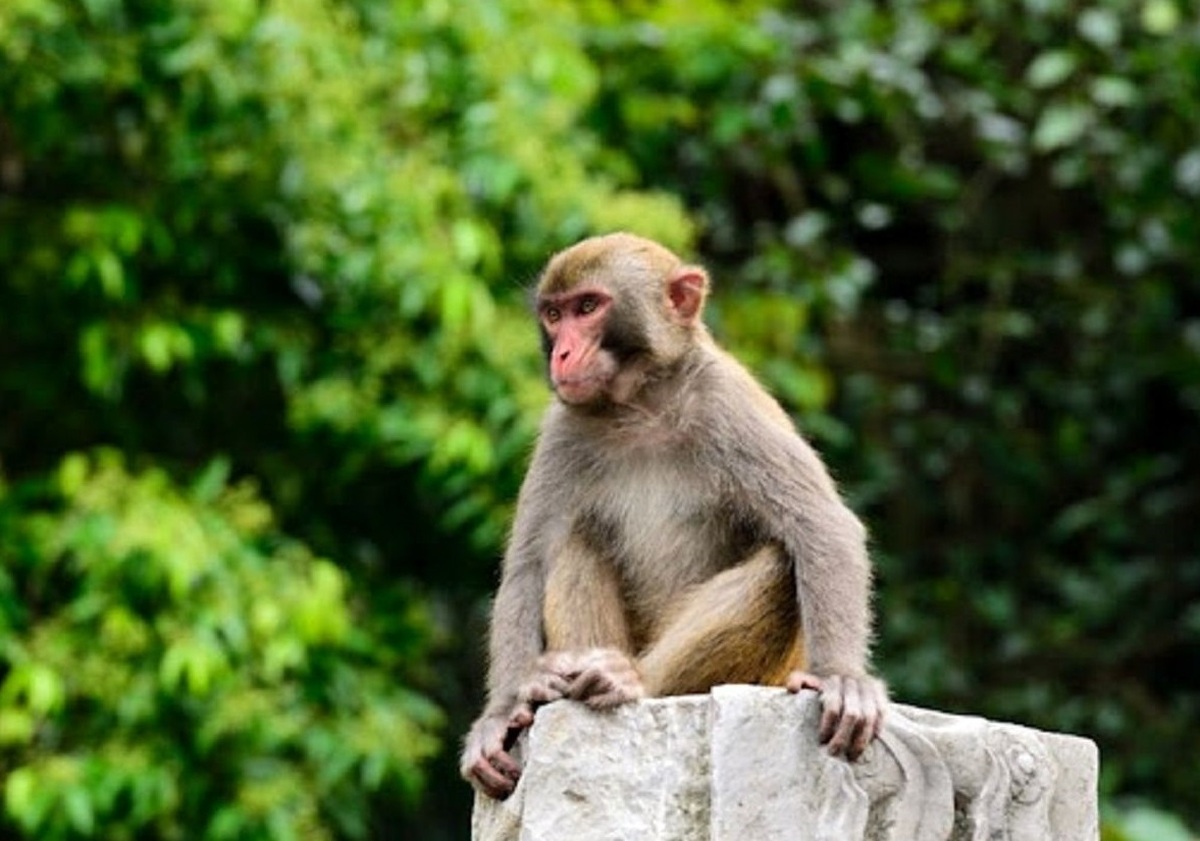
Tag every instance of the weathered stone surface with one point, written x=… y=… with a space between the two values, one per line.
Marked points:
x=743 y=764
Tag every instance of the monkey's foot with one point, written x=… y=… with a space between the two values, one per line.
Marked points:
x=600 y=677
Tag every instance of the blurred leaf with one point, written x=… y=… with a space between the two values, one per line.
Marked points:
x=275 y=257
x=1051 y=68
x=1160 y=17
x=1147 y=824
x=1061 y=125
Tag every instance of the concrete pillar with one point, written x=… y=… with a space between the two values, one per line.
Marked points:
x=743 y=764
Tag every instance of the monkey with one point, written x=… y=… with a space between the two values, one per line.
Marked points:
x=674 y=531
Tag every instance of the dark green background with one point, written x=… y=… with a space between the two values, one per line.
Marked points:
x=267 y=383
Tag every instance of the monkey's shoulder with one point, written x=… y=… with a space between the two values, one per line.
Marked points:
x=737 y=393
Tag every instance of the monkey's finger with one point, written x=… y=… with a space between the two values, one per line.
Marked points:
x=868 y=727
x=831 y=708
x=617 y=694
x=851 y=720
x=522 y=717
x=516 y=726
x=492 y=782
x=606 y=700
x=590 y=682
x=505 y=764
x=798 y=681
x=539 y=692
x=602 y=689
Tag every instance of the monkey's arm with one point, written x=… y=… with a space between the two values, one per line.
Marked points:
x=515 y=635
x=790 y=495
x=514 y=643
x=828 y=547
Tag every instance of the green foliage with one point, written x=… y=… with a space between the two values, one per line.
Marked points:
x=1145 y=824
x=273 y=254
x=343 y=197
x=175 y=666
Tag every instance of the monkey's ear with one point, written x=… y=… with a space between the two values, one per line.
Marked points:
x=686 y=291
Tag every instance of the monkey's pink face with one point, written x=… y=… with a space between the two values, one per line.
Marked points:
x=581 y=369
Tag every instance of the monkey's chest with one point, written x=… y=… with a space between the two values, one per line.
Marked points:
x=665 y=528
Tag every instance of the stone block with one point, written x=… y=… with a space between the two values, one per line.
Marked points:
x=743 y=764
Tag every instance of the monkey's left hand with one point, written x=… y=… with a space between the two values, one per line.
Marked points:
x=852 y=709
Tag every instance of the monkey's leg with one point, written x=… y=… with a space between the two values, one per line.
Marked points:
x=740 y=626
x=589 y=654
x=584 y=607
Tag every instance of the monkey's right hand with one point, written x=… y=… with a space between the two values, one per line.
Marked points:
x=486 y=763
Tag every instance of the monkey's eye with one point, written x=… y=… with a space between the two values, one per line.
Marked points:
x=588 y=304
x=552 y=314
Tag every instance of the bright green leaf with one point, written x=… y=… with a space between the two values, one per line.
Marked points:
x=1061 y=125
x=17 y=726
x=155 y=345
x=1101 y=26
x=1051 y=68
x=1147 y=824
x=1113 y=91
x=79 y=811
x=1160 y=17
x=19 y=794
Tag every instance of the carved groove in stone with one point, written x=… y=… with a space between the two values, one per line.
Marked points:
x=923 y=809
x=743 y=763
x=844 y=816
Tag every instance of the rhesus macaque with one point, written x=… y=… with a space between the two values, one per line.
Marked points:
x=674 y=531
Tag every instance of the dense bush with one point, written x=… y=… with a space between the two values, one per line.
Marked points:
x=177 y=669
x=268 y=386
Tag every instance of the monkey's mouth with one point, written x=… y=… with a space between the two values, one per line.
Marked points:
x=580 y=389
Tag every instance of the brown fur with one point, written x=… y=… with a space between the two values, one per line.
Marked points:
x=679 y=521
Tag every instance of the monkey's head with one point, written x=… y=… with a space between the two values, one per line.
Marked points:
x=614 y=310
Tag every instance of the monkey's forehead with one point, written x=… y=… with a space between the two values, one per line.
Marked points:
x=609 y=258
